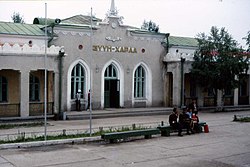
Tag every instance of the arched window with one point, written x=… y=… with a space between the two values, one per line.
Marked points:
x=139 y=82
x=34 y=88
x=3 y=89
x=77 y=81
x=110 y=72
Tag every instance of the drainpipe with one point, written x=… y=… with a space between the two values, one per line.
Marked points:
x=61 y=55
x=167 y=46
x=182 y=82
x=165 y=43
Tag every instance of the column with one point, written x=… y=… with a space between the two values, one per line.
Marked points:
x=165 y=89
x=56 y=93
x=236 y=97
x=177 y=85
x=24 y=103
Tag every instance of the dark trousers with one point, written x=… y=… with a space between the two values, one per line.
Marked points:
x=177 y=126
x=88 y=105
x=196 y=128
x=78 y=105
x=187 y=125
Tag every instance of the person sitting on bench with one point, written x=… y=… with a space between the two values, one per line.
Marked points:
x=186 y=121
x=173 y=121
x=195 y=119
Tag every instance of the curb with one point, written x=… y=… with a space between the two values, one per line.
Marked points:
x=50 y=142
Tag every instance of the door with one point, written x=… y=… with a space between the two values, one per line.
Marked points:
x=112 y=93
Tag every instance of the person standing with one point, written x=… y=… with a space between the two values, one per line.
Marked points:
x=173 y=121
x=78 y=100
x=193 y=106
x=88 y=105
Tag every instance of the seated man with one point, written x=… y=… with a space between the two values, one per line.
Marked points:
x=173 y=121
x=186 y=121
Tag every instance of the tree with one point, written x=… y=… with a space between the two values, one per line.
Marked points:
x=150 y=26
x=17 y=18
x=248 y=41
x=218 y=62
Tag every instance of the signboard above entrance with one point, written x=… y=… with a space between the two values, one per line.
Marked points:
x=122 y=49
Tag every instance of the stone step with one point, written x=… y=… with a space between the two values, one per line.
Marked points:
x=118 y=114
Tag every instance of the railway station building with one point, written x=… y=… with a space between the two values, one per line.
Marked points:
x=123 y=67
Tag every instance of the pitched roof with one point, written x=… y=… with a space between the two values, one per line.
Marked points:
x=21 y=29
x=182 y=41
x=80 y=19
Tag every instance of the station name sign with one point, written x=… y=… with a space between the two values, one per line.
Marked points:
x=120 y=49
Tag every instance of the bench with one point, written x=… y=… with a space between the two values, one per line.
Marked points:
x=167 y=129
x=114 y=136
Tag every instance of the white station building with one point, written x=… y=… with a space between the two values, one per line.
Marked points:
x=123 y=66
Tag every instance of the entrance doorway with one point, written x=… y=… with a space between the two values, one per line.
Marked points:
x=111 y=88
x=111 y=93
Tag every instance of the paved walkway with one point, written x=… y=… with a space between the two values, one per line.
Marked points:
x=83 y=126
x=80 y=126
x=226 y=145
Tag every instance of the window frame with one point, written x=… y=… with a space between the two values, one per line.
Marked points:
x=3 y=86
x=140 y=83
x=34 y=88
x=78 y=81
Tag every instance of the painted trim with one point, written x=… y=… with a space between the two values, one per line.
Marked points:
x=148 y=89
x=120 y=76
x=87 y=72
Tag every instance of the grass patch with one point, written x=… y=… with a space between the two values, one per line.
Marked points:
x=246 y=119
x=241 y=118
x=21 y=137
x=29 y=124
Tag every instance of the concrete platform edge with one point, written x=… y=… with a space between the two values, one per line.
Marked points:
x=50 y=142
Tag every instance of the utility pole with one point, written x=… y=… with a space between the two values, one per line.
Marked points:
x=182 y=82
x=45 y=77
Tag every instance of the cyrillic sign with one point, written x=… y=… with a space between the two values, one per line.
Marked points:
x=122 y=49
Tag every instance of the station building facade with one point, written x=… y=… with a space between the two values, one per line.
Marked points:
x=123 y=66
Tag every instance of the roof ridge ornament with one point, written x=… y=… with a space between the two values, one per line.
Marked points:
x=113 y=11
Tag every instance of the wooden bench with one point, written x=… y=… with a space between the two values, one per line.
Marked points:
x=114 y=136
x=167 y=129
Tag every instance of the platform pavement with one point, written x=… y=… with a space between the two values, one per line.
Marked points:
x=117 y=112
x=226 y=145
x=96 y=123
x=111 y=119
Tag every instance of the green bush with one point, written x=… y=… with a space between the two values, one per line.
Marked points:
x=241 y=118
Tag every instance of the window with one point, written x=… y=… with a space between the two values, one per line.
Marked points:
x=110 y=72
x=77 y=81
x=139 y=82
x=3 y=89
x=243 y=88
x=210 y=91
x=192 y=88
x=229 y=92
x=34 y=89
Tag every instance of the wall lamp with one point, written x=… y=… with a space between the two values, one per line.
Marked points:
x=128 y=70
x=62 y=51
x=96 y=69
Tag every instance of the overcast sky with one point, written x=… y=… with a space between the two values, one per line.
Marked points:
x=178 y=17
